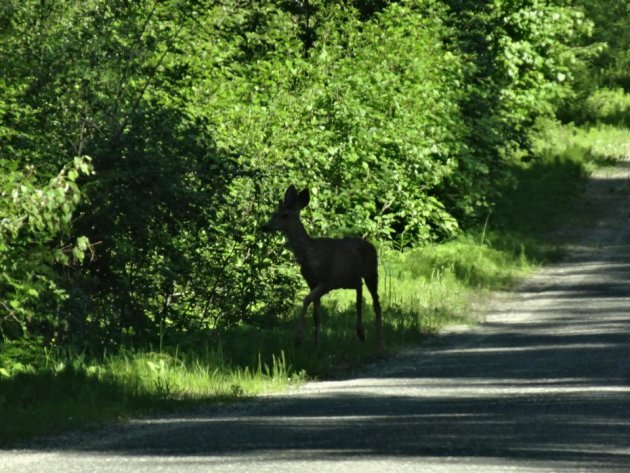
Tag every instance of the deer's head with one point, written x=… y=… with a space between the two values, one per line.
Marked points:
x=288 y=211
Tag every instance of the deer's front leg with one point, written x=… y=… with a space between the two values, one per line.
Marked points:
x=317 y=320
x=316 y=293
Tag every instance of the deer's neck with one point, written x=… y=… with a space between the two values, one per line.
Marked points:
x=300 y=242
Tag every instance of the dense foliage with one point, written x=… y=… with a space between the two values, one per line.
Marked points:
x=32 y=218
x=611 y=19
x=401 y=117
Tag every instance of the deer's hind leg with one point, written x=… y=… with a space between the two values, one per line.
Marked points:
x=360 y=329
x=372 y=285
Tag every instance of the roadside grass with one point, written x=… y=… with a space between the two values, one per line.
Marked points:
x=611 y=106
x=422 y=290
x=55 y=390
x=545 y=193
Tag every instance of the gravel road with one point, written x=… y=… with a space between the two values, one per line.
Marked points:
x=542 y=385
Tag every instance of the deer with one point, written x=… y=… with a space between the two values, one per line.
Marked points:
x=326 y=264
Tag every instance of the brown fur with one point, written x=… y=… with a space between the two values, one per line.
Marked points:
x=327 y=263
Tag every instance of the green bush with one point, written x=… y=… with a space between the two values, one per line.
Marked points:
x=404 y=118
x=35 y=223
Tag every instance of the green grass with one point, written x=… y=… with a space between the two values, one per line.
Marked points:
x=55 y=391
x=422 y=290
x=544 y=195
x=591 y=146
x=610 y=106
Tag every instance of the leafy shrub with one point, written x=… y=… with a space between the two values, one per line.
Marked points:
x=35 y=222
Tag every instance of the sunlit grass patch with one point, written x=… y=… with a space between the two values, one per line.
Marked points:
x=591 y=146
x=610 y=106
x=545 y=192
x=65 y=390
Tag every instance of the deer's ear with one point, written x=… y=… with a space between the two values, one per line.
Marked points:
x=303 y=199
x=289 y=196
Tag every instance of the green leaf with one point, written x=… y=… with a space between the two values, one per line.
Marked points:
x=78 y=254
x=82 y=243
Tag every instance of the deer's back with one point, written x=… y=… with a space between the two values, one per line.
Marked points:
x=339 y=263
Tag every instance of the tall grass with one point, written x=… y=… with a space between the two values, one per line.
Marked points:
x=544 y=195
x=596 y=145
x=59 y=390
x=610 y=106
